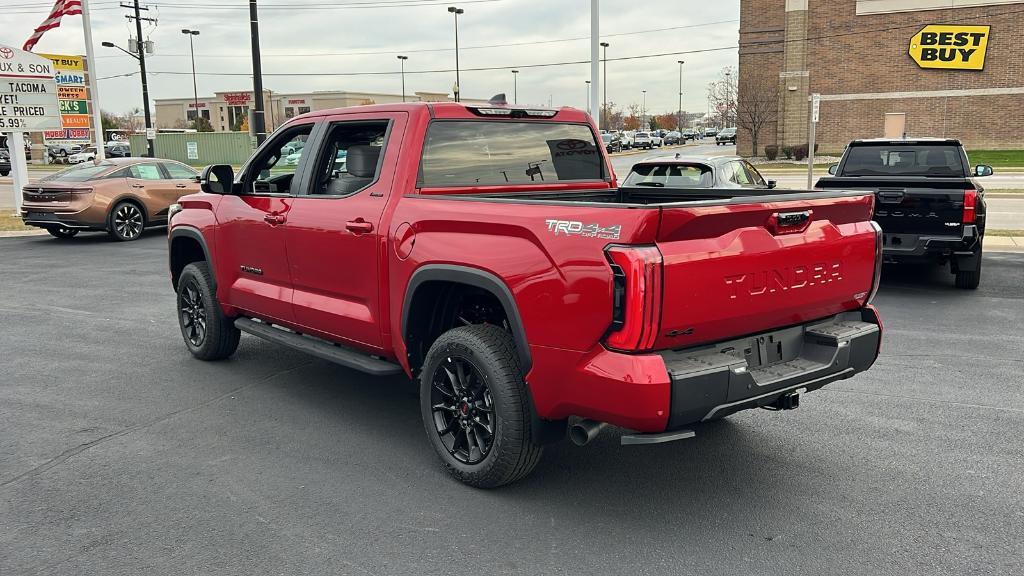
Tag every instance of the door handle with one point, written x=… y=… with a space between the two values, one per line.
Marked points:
x=181 y=185
x=138 y=186
x=274 y=219
x=789 y=222
x=359 y=226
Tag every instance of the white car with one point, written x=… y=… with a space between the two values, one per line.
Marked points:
x=627 y=139
x=86 y=155
x=643 y=140
x=656 y=139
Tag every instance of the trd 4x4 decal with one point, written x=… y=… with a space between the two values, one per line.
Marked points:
x=573 y=228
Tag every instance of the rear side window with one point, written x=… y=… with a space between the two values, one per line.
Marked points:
x=146 y=172
x=895 y=160
x=475 y=152
x=179 y=172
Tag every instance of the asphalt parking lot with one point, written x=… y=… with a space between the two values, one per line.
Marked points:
x=120 y=454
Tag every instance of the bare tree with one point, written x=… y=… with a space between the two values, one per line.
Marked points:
x=722 y=94
x=612 y=117
x=758 y=105
x=632 y=122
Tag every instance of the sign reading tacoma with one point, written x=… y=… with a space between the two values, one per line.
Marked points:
x=950 y=47
x=28 y=93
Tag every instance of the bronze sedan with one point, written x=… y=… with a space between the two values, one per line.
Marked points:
x=121 y=196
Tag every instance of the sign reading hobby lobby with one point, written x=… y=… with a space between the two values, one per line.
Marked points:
x=950 y=47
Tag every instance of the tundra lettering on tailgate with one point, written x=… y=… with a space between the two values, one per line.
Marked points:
x=783 y=279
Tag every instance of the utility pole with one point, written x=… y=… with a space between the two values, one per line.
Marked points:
x=192 y=51
x=515 y=86
x=458 y=83
x=679 y=111
x=588 y=95
x=643 y=112
x=402 y=59
x=141 y=57
x=258 y=120
x=604 y=108
x=595 y=71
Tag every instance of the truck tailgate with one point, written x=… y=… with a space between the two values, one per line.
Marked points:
x=746 y=267
x=921 y=206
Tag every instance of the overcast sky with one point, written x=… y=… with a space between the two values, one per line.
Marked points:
x=293 y=32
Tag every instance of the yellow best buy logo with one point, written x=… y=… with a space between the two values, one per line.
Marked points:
x=950 y=47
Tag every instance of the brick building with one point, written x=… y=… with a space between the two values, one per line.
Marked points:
x=856 y=54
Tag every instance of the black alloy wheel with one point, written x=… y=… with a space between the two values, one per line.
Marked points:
x=127 y=221
x=193 y=313
x=463 y=410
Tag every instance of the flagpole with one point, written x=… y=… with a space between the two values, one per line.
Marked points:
x=90 y=64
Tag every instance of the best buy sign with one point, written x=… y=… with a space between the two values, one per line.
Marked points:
x=950 y=47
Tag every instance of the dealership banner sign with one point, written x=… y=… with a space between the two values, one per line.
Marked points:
x=946 y=47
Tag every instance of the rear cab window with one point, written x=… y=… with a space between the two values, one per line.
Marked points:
x=481 y=153
x=936 y=160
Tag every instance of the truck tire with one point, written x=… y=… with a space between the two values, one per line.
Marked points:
x=208 y=334
x=475 y=406
x=62 y=233
x=970 y=279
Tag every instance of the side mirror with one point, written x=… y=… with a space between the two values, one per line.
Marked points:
x=217 y=179
x=982 y=170
x=833 y=169
x=772 y=184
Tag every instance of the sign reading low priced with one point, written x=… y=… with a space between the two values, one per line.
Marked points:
x=950 y=47
x=28 y=93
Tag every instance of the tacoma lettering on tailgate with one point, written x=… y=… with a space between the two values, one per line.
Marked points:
x=782 y=279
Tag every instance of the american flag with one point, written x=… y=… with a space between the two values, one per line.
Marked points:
x=61 y=8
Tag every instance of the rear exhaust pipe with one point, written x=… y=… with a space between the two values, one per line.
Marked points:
x=584 y=431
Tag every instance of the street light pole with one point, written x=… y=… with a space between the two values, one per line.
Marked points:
x=515 y=86
x=728 y=96
x=458 y=84
x=402 y=59
x=192 y=51
x=679 y=111
x=259 y=123
x=643 y=112
x=588 y=94
x=604 y=107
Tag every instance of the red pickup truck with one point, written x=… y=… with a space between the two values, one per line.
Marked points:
x=488 y=252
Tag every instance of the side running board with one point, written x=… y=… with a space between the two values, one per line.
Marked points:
x=320 y=348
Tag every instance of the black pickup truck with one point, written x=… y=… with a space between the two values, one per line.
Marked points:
x=927 y=202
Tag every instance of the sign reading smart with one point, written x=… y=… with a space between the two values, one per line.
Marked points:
x=950 y=47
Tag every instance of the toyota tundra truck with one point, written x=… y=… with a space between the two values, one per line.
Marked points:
x=488 y=253
x=927 y=200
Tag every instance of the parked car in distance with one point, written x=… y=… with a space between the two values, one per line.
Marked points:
x=689 y=134
x=505 y=269
x=657 y=141
x=612 y=143
x=121 y=196
x=119 y=150
x=928 y=201
x=87 y=154
x=673 y=138
x=5 y=162
x=710 y=132
x=726 y=136
x=627 y=137
x=62 y=150
x=692 y=172
x=643 y=140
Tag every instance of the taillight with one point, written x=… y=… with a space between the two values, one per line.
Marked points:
x=970 y=206
x=878 y=263
x=636 y=297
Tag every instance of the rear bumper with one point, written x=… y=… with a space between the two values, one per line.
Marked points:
x=49 y=218
x=910 y=246
x=670 y=390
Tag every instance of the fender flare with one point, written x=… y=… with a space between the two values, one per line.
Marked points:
x=479 y=279
x=194 y=234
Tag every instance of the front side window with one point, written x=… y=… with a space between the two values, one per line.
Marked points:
x=273 y=169
x=754 y=175
x=146 y=172
x=479 y=152
x=178 y=171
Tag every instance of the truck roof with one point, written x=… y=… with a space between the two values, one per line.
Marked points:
x=906 y=141
x=457 y=110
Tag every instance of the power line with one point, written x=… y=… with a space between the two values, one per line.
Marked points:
x=449 y=49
